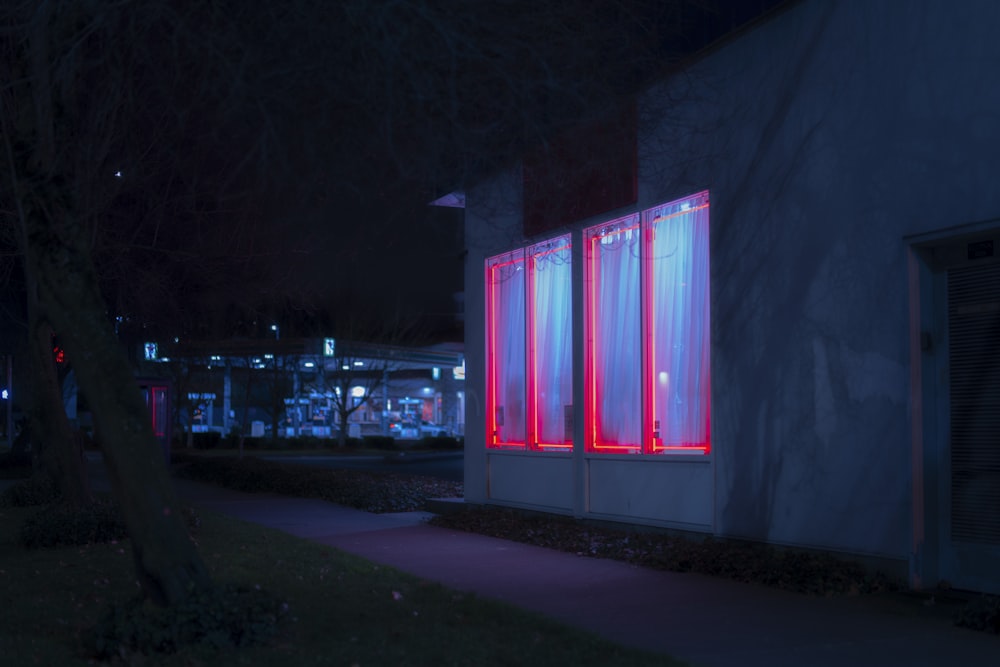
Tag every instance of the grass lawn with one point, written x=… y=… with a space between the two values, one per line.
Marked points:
x=343 y=610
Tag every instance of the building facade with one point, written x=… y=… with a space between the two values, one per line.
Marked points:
x=778 y=319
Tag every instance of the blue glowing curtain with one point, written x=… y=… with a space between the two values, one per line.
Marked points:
x=678 y=256
x=615 y=335
x=505 y=282
x=552 y=344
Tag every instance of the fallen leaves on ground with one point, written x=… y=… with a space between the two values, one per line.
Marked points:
x=805 y=572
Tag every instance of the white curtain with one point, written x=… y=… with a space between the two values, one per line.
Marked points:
x=551 y=344
x=678 y=345
x=505 y=284
x=646 y=292
x=614 y=331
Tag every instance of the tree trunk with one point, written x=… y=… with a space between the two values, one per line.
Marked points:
x=59 y=450
x=167 y=563
x=342 y=436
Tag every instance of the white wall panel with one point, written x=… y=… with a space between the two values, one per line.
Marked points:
x=672 y=491
x=532 y=479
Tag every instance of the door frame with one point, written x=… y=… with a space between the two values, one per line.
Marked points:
x=935 y=558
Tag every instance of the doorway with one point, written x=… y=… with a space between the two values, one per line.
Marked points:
x=960 y=344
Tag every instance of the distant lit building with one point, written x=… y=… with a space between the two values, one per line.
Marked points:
x=296 y=385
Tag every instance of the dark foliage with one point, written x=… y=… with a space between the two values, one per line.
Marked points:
x=62 y=525
x=805 y=572
x=217 y=618
x=15 y=465
x=36 y=490
x=368 y=491
x=443 y=443
x=982 y=613
x=386 y=442
x=207 y=440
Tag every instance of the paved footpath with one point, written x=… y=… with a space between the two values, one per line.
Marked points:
x=704 y=620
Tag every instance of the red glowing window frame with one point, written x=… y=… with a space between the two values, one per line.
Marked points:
x=499 y=270
x=648 y=442
x=626 y=231
x=498 y=311
x=554 y=248
x=668 y=213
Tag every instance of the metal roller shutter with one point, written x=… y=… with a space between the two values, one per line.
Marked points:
x=974 y=362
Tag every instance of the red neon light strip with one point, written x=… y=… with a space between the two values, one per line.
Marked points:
x=650 y=324
x=493 y=438
x=557 y=445
x=531 y=382
x=592 y=342
x=594 y=436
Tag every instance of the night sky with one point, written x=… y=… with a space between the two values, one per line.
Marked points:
x=242 y=164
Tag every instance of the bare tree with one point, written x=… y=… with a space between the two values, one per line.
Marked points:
x=355 y=375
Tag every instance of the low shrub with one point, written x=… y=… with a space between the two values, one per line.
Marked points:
x=982 y=613
x=15 y=465
x=442 y=442
x=300 y=442
x=62 y=525
x=368 y=491
x=386 y=442
x=216 y=618
x=36 y=490
x=207 y=440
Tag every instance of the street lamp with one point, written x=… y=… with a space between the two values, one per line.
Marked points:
x=277 y=332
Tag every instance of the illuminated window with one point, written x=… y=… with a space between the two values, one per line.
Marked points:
x=530 y=348
x=614 y=336
x=646 y=323
x=550 y=345
x=647 y=331
x=505 y=390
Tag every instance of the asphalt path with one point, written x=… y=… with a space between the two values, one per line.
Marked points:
x=447 y=466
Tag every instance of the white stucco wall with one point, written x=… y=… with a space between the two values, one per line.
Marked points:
x=825 y=136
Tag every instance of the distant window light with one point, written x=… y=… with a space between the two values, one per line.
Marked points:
x=458 y=372
x=118 y=174
x=359 y=363
x=150 y=351
x=358 y=392
x=309 y=364
x=435 y=373
x=4 y=394
x=269 y=356
x=346 y=367
x=329 y=347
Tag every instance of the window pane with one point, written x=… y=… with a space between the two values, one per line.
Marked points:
x=677 y=279
x=614 y=344
x=505 y=357
x=550 y=381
